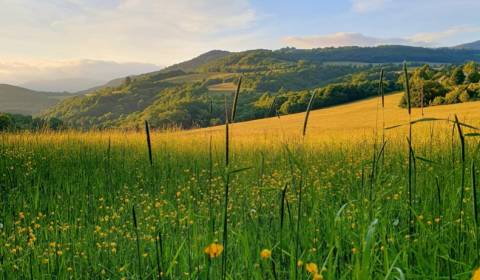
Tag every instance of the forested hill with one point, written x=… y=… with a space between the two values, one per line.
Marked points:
x=192 y=93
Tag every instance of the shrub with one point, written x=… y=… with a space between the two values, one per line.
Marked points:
x=452 y=97
x=464 y=96
x=439 y=100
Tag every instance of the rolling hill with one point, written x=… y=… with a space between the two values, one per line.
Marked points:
x=192 y=93
x=356 y=119
x=20 y=100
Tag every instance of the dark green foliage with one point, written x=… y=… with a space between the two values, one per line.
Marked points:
x=17 y=122
x=457 y=77
x=6 y=122
x=473 y=77
x=442 y=85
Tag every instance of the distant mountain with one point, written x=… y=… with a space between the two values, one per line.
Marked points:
x=186 y=66
x=60 y=85
x=20 y=100
x=469 y=46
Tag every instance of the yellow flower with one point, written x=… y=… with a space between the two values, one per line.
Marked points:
x=299 y=263
x=21 y=215
x=317 y=276
x=59 y=253
x=213 y=250
x=476 y=274
x=312 y=268
x=265 y=254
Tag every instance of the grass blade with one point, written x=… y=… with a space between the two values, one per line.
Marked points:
x=307 y=113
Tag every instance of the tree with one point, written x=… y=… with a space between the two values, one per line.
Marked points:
x=473 y=77
x=128 y=81
x=457 y=77
x=464 y=96
x=6 y=122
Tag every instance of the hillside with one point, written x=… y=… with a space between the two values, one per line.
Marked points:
x=191 y=94
x=350 y=120
x=469 y=46
x=193 y=64
x=20 y=100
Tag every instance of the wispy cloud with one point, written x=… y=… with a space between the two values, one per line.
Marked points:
x=430 y=39
x=340 y=39
x=436 y=38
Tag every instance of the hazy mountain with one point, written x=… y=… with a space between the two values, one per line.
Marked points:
x=70 y=85
x=68 y=75
x=20 y=100
x=469 y=46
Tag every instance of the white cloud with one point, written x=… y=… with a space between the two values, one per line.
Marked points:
x=159 y=31
x=340 y=39
x=431 y=39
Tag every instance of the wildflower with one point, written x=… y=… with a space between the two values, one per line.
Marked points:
x=354 y=250
x=21 y=215
x=312 y=268
x=317 y=276
x=265 y=254
x=213 y=250
x=299 y=263
x=59 y=253
x=476 y=274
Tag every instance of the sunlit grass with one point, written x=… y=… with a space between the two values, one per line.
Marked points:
x=68 y=200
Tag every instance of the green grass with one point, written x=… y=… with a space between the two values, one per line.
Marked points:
x=86 y=186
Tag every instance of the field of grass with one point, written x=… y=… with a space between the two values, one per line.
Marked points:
x=93 y=206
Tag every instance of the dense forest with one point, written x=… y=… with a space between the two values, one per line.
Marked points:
x=191 y=94
x=446 y=85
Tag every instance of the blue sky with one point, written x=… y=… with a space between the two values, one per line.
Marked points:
x=39 y=38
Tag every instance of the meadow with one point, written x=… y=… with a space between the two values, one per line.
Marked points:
x=350 y=200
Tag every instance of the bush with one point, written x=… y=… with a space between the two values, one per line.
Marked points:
x=439 y=100
x=464 y=96
x=452 y=97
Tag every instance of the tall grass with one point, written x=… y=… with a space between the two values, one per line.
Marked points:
x=306 y=199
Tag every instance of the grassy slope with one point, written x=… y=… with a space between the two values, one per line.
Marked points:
x=353 y=118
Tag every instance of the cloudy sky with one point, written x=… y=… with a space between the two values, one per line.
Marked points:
x=100 y=40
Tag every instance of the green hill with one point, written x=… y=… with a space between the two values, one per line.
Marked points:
x=192 y=93
x=20 y=100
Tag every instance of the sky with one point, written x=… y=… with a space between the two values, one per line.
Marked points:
x=100 y=40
